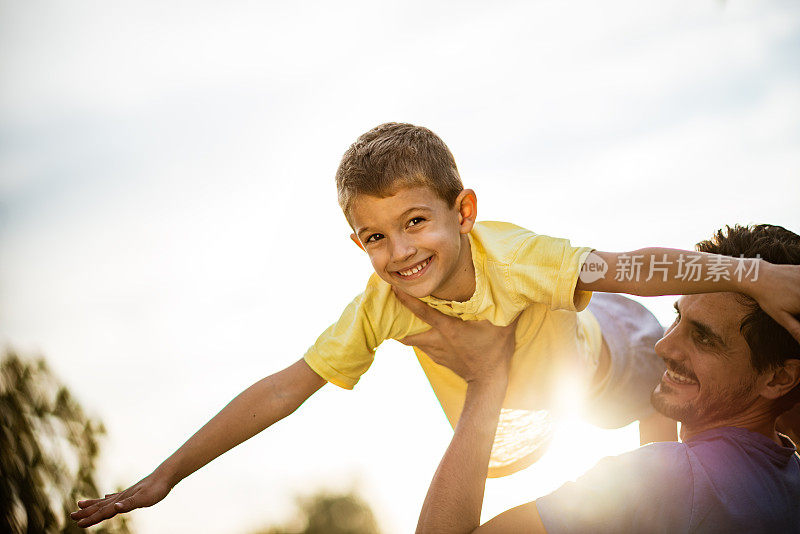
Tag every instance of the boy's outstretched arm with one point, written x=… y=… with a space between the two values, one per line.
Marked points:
x=664 y=271
x=259 y=406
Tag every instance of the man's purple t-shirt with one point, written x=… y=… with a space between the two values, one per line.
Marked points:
x=722 y=480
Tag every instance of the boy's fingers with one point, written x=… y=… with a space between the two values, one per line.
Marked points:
x=420 y=309
x=95 y=510
x=96 y=517
x=791 y=325
x=127 y=504
x=86 y=511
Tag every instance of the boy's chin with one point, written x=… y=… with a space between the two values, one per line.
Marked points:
x=417 y=292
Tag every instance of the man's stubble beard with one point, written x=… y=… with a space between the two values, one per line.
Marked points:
x=716 y=407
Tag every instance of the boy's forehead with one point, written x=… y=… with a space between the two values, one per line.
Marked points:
x=368 y=209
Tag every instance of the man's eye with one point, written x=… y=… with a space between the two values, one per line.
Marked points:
x=374 y=237
x=702 y=339
x=415 y=221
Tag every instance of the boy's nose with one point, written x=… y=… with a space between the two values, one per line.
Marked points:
x=402 y=250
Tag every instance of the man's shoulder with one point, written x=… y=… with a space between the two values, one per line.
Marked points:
x=632 y=472
x=729 y=437
x=730 y=448
x=651 y=457
x=698 y=485
x=744 y=480
x=626 y=493
x=637 y=469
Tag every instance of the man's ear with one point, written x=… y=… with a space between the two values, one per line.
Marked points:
x=467 y=205
x=357 y=242
x=782 y=379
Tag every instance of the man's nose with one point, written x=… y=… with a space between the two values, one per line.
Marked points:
x=667 y=346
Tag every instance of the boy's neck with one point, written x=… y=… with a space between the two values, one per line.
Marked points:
x=460 y=286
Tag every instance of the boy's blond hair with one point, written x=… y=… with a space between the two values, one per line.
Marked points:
x=395 y=155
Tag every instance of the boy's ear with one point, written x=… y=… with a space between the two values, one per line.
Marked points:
x=467 y=205
x=782 y=379
x=354 y=237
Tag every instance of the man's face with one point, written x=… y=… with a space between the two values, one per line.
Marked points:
x=415 y=242
x=709 y=377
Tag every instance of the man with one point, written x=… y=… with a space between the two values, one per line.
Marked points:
x=731 y=372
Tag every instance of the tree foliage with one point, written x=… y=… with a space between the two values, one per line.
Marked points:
x=327 y=513
x=48 y=448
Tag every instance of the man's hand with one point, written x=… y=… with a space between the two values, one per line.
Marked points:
x=146 y=492
x=474 y=350
x=480 y=353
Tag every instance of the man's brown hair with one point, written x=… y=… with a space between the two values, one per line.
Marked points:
x=395 y=155
x=770 y=344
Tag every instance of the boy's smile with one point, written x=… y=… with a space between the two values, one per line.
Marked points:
x=416 y=242
x=416 y=271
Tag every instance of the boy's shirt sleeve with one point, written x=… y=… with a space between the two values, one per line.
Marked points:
x=545 y=269
x=345 y=351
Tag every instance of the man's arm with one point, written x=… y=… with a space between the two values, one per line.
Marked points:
x=478 y=352
x=664 y=271
x=256 y=408
x=455 y=496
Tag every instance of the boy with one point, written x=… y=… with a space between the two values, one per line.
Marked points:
x=399 y=188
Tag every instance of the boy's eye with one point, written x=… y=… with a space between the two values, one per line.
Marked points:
x=415 y=221
x=374 y=237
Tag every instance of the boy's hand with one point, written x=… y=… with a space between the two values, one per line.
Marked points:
x=777 y=292
x=254 y=409
x=144 y=493
x=474 y=350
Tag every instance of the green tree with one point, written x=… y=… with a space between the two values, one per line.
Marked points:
x=48 y=448
x=327 y=513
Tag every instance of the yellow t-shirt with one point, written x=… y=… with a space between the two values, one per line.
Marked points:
x=516 y=272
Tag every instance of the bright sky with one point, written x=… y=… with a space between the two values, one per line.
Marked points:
x=169 y=231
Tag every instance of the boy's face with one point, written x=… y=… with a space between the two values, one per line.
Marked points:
x=416 y=242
